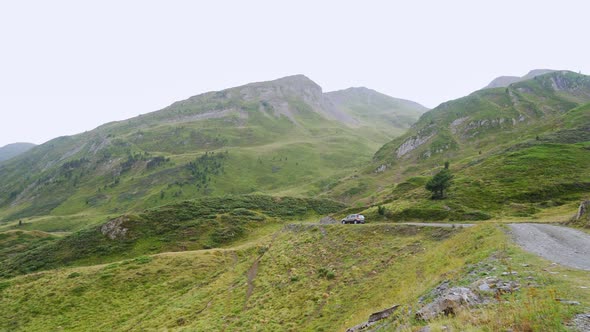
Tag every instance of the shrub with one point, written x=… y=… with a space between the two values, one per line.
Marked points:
x=439 y=183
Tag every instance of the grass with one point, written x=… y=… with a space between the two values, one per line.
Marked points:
x=532 y=181
x=156 y=159
x=301 y=278
x=515 y=151
x=190 y=225
x=207 y=290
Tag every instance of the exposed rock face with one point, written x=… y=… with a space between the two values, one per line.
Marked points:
x=114 y=229
x=457 y=122
x=412 y=143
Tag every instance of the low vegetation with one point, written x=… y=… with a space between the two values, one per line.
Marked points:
x=190 y=225
x=302 y=278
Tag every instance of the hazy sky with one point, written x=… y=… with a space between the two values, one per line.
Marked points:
x=69 y=66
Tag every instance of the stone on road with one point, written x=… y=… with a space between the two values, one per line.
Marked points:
x=562 y=245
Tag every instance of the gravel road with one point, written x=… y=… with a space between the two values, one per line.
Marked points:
x=434 y=224
x=563 y=245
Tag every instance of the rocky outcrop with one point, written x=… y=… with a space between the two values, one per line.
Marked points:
x=457 y=122
x=374 y=318
x=583 y=211
x=496 y=286
x=413 y=143
x=114 y=228
x=450 y=300
x=381 y=169
x=449 y=303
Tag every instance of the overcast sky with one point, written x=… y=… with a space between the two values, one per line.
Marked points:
x=69 y=66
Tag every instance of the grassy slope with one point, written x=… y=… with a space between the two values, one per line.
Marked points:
x=275 y=139
x=293 y=280
x=508 y=172
x=190 y=225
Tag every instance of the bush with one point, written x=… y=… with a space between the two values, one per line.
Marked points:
x=439 y=183
x=326 y=273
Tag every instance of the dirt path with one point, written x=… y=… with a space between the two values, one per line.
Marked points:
x=562 y=245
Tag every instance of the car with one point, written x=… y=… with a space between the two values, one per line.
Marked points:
x=354 y=219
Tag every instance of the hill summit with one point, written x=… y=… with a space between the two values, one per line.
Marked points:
x=504 y=81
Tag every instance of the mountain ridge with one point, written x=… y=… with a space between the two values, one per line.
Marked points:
x=14 y=149
x=196 y=147
x=504 y=81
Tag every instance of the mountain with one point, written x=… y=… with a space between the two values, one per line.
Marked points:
x=515 y=151
x=283 y=137
x=504 y=81
x=489 y=117
x=371 y=108
x=155 y=223
x=14 y=149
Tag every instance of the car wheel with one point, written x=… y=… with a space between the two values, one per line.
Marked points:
x=343 y=222
x=356 y=222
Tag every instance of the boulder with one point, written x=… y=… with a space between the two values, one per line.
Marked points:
x=583 y=214
x=449 y=303
x=114 y=229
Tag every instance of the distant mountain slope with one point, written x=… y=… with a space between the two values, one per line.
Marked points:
x=284 y=136
x=372 y=108
x=12 y=150
x=504 y=81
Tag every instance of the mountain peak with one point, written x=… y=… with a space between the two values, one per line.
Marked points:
x=294 y=84
x=504 y=81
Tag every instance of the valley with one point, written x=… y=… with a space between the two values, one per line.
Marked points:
x=220 y=213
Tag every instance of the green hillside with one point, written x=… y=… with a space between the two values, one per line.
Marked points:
x=205 y=216
x=281 y=137
x=299 y=278
x=12 y=150
x=514 y=151
x=190 y=225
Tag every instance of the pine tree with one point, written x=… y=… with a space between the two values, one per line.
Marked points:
x=439 y=183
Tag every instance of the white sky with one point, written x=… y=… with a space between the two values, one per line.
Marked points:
x=70 y=66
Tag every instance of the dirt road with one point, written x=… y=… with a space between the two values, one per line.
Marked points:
x=434 y=224
x=563 y=245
